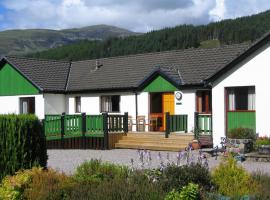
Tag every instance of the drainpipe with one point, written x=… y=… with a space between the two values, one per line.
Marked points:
x=136 y=107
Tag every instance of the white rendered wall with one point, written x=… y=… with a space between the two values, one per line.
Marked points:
x=255 y=71
x=143 y=106
x=187 y=107
x=54 y=103
x=11 y=105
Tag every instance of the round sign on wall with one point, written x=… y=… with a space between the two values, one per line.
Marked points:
x=178 y=96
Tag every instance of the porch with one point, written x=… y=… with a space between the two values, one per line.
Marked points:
x=108 y=131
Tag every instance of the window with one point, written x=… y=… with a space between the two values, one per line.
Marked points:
x=204 y=101
x=241 y=98
x=27 y=105
x=110 y=103
x=78 y=104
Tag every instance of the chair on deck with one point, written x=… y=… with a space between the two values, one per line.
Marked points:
x=140 y=123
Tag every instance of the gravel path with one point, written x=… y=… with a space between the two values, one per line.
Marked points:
x=68 y=160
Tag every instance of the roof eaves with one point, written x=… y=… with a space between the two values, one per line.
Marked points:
x=19 y=71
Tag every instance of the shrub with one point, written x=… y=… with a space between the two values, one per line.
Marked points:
x=136 y=186
x=22 y=143
x=232 y=180
x=95 y=170
x=176 y=177
x=263 y=141
x=263 y=182
x=12 y=187
x=48 y=184
x=189 y=192
x=242 y=133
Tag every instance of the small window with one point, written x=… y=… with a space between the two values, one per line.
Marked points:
x=78 y=104
x=204 y=101
x=27 y=105
x=110 y=103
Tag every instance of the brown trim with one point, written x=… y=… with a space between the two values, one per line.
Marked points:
x=241 y=110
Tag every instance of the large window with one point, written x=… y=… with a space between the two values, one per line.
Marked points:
x=110 y=103
x=27 y=105
x=241 y=98
x=204 y=101
x=78 y=104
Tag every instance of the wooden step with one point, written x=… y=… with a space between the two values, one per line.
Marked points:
x=155 y=141
x=150 y=147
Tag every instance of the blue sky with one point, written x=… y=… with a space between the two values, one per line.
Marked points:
x=135 y=15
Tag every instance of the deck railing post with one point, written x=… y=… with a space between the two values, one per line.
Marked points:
x=84 y=130
x=196 y=125
x=167 y=131
x=125 y=122
x=105 y=131
x=62 y=129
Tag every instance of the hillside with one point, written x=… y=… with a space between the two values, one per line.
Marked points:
x=33 y=40
x=244 y=29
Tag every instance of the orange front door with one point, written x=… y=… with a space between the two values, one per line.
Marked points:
x=167 y=105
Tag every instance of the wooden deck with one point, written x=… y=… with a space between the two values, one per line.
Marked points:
x=155 y=141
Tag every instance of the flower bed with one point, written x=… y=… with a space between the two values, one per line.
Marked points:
x=181 y=180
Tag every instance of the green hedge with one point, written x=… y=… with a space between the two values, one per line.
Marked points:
x=22 y=143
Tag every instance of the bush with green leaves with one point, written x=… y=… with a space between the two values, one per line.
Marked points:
x=242 y=133
x=232 y=180
x=176 y=177
x=95 y=170
x=189 y=192
x=22 y=143
x=12 y=187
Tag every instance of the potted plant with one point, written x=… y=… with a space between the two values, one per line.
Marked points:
x=243 y=138
x=263 y=145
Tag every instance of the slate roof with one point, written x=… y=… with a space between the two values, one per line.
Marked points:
x=47 y=75
x=187 y=67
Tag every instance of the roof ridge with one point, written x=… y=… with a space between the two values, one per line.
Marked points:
x=36 y=59
x=162 y=52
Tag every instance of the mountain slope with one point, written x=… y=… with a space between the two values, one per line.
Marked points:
x=244 y=29
x=33 y=40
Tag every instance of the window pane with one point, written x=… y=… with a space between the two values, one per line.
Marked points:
x=27 y=105
x=110 y=103
x=115 y=103
x=24 y=107
x=241 y=98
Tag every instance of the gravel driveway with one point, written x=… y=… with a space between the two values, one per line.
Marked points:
x=68 y=160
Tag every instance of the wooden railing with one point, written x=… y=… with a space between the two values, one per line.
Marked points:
x=203 y=124
x=70 y=126
x=175 y=123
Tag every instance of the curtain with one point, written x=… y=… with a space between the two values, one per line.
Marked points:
x=251 y=98
x=231 y=99
x=106 y=104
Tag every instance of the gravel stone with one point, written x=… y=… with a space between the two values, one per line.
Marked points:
x=68 y=160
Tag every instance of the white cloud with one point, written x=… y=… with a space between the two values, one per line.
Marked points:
x=227 y=9
x=139 y=15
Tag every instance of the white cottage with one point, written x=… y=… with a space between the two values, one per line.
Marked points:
x=216 y=89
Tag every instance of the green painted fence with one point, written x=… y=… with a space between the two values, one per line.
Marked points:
x=175 y=123
x=52 y=127
x=71 y=126
x=241 y=120
x=94 y=125
x=204 y=124
x=178 y=123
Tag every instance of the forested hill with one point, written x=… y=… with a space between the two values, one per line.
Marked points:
x=244 y=29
